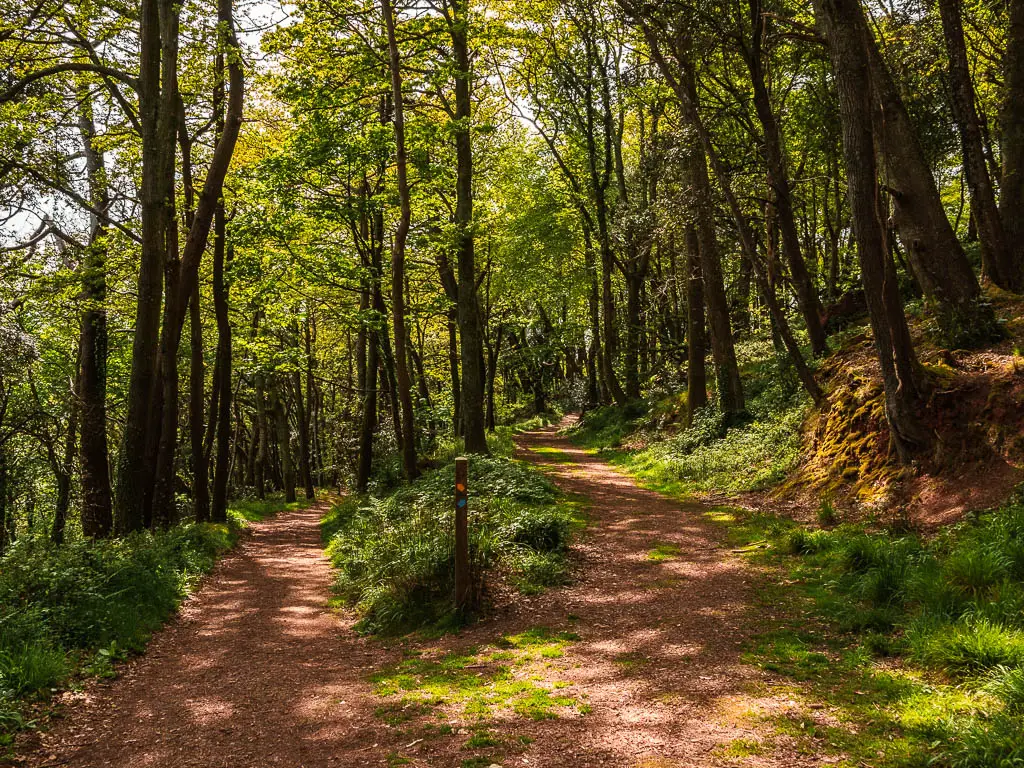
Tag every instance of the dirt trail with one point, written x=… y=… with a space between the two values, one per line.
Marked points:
x=259 y=672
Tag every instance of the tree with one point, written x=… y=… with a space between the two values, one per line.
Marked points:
x=842 y=22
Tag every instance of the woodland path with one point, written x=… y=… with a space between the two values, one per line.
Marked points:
x=258 y=671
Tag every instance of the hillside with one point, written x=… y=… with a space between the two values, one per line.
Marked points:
x=791 y=457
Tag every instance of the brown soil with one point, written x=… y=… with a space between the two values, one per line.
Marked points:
x=258 y=671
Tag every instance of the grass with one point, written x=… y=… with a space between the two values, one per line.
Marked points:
x=741 y=748
x=663 y=552
x=707 y=456
x=78 y=609
x=556 y=455
x=895 y=650
x=255 y=510
x=484 y=689
x=394 y=551
x=914 y=648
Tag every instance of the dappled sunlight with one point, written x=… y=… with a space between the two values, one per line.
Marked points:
x=258 y=671
x=635 y=662
x=209 y=711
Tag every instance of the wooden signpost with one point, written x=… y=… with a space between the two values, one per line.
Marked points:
x=463 y=584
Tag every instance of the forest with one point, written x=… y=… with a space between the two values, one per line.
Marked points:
x=722 y=300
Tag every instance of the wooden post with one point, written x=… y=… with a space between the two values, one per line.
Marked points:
x=462 y=579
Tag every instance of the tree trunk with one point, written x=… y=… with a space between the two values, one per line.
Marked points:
x=493 y=352
x=730 y=389
x=995 y=250
x=284 y=443
x=403 y=381
x=158 y=41
x=222 y=379
x=301 y=419
x=369 y=414
x=594 y=308
x=197 y=385
x=6 y=514
x=180 y=274
x=932 y=248
x=473 y=423
x=64 y=468
x=634 y=331
x=262 y=452
x=453 y=370
x=842 y=21
x=1011 y=146
x=222 y=367
x=727 y=374
x=806 y=293
x=96 y=510
x=696 y=352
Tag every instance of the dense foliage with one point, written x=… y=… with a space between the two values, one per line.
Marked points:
x=242 y=255
x=439 y=217
x=85 y=605
x=394 y=551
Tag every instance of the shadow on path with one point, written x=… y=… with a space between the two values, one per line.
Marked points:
x=256 y=671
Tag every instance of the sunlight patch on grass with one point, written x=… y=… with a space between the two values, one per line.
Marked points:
x=480 y=683
x=555 y=454
x=741 y=748
x=663 y=552
x=255 y=510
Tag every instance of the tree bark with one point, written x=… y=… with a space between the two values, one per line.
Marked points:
x=403 y=382
x=262 y=452
x=995 y=251
x=65 y=467
x=96 y=510
x=473 y=422
x=158 y=103
x=594 y=396
x=730 y=388
x=933 y=250
x=302 y=421
x=284 y=443
x=222 y=254
x=842 y=21
x=696 y=347
x=180 y=274
x=197 y=386
x=634 y=331
x=1011 y=146
x=222 y=378
x=806 y=293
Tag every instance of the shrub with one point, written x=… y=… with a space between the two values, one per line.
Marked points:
x=607 y=426
x=988 y=742
x=860 y=553
x=1008 y=684
x=394 y=554
x=61 y=604
x=800 y=541
x=537 y=528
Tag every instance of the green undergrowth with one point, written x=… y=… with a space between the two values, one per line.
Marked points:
x=707 y=456
x=904 y=651
x=479 y=692
x=554 y=455
x=73 y=611
x=394 y=551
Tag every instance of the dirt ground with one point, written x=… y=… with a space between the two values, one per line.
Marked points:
x=259 y=671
